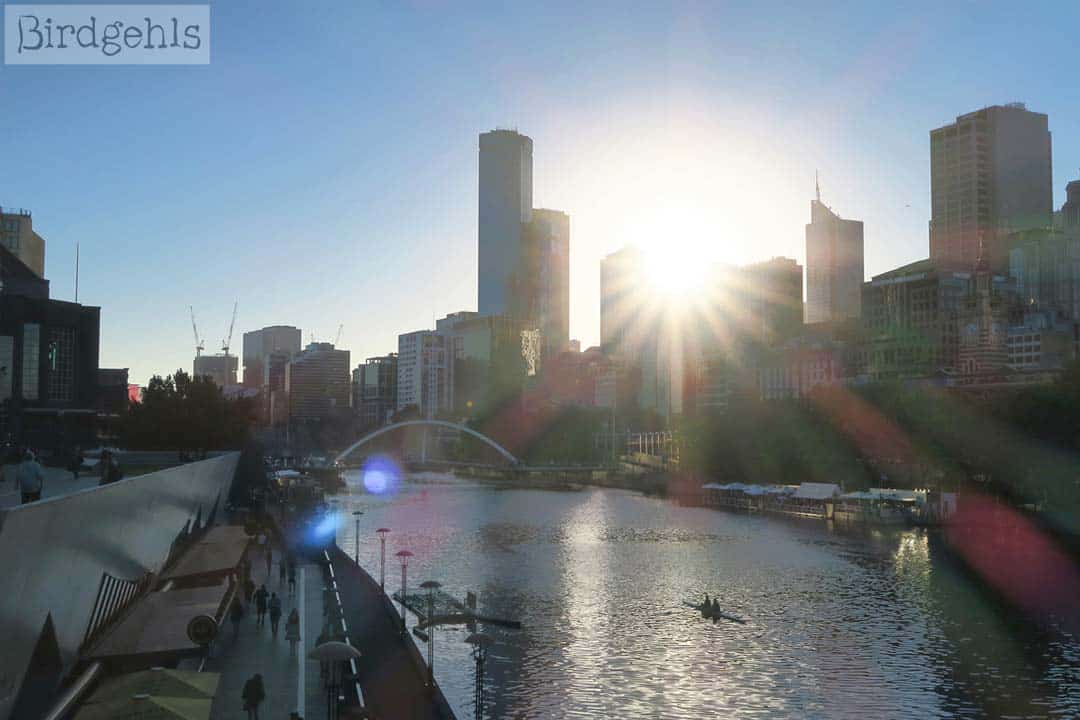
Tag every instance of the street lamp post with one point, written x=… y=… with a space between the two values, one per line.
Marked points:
x=431 y=586
x=382 y=532
x=480 y=643
x=356 y=552
x=404 y=555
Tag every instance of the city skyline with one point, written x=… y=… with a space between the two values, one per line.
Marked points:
x=743 y=162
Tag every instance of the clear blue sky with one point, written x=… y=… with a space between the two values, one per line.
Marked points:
x=322 y=168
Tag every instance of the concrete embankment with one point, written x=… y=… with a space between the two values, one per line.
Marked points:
x=391 y=671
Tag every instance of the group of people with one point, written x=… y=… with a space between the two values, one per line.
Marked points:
x=267 y=605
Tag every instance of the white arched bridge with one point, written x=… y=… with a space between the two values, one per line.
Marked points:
x=428 y=423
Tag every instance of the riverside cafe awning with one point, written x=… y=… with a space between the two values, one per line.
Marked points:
x=210 y=558
x=154 y=630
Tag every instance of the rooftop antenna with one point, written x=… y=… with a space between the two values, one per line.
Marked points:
x=76 y=271
x=817 y=186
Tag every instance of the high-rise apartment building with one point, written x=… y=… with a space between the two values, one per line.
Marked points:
x=834 y=265
x=259 y=344
x=990 y=175
x=18 y=236
x=425 y=372
x=317 y=382
x=505 y=208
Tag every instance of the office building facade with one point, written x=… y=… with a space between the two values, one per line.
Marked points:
x=18 y=237
x=48 y=362
x=990 y=176
x=259 y=344
x=375 y=389
x=541 y=296
x=317 y=382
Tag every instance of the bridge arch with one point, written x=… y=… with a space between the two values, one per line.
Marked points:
x=432 y=423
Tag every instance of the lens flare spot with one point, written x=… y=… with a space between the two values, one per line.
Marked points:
x=380 y=475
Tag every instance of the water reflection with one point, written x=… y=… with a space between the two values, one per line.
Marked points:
x=839 y=623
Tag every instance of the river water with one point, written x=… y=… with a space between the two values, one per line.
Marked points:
x=838 y=624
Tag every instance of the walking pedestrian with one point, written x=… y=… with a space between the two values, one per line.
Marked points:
x=249 y=590
x=292 y=578
x=236 y=612
x=292 y=631
x=30 y=477
x=76 y=464
x=282 y=572
x=253 y=694
x=275 y=613
x=261 y=596
x=269 y=560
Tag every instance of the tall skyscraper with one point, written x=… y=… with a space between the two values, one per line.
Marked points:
x=505 y=206
x=834 y=265
x=990 y=175
x=541 y=295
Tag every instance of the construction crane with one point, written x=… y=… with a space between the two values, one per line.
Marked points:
x=199 y=347
x=337 y=338
x=228 y=341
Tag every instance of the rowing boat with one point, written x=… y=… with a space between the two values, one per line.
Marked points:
x=708 y=612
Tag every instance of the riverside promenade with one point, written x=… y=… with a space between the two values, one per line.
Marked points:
x=391 y=671
x=293 y=684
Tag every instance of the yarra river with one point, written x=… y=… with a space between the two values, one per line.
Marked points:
x=870 y=624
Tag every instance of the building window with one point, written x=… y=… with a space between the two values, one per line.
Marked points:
x=61 y=359
x=31 y=360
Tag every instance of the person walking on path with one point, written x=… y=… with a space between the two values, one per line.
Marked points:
x=292 y=631
x=282 y=572
x=30 y=477
x=261 y=596
x=269 y=560
x=275 y=613
x=76 y=464
x=236 y=612
x=253 y=694
x=249 y=590
x=292 y=578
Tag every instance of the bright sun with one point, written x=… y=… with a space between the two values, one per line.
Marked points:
x=679 y=249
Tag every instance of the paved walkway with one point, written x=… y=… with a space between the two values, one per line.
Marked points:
x=292 y=684
x=393 y=682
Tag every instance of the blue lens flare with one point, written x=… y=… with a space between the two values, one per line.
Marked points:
x=380 y=475
x=326 y=526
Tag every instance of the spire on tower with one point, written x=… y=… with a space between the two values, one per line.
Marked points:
x=817 y=186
